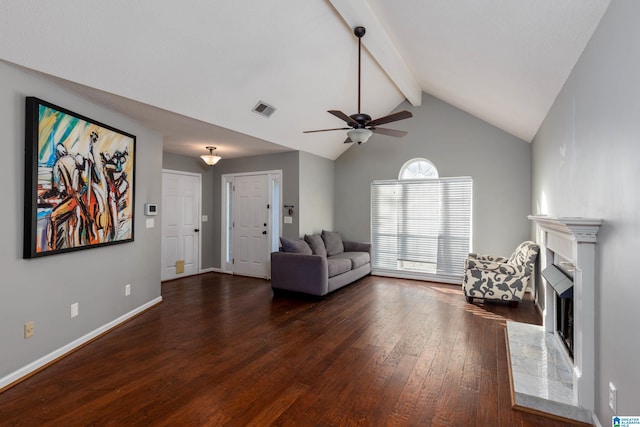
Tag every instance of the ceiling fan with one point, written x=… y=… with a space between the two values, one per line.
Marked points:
x=361 y=125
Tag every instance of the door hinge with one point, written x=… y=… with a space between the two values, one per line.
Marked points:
x=233 y=260
x=268 y=206
x=233 y=188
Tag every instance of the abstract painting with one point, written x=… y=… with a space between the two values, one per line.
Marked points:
x=79 y=182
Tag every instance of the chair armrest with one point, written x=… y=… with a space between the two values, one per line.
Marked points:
x=493 y=258
x=300 y=273
x=498 y=267
x=356 y=246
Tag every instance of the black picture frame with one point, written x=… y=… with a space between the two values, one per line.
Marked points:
x=79 y=182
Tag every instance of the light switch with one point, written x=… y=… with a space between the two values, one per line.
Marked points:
x=74 y=309
x=205 y=218
x=150 y=223
x=288 y=220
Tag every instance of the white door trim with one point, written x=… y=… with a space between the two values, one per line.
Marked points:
x=199 y=176
x=225 y=230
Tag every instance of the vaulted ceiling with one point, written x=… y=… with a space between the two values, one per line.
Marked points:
x=194 y=70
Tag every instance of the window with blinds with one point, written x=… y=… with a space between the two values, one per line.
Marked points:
x=421 y=228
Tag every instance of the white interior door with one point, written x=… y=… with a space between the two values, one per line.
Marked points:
x=180 y=224
x=250 y=225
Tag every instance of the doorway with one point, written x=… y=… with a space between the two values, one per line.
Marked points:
x=251 y=220
x=181 y=194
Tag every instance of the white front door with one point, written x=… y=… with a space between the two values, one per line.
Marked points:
x=250 y=225
x=180 y=224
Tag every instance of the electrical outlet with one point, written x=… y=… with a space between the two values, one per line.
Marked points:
x=127 y=289
x=612 y=397
x=74 y=309
x=29 y=329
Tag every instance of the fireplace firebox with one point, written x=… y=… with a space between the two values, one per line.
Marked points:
x=560 y=277
x=564 y=322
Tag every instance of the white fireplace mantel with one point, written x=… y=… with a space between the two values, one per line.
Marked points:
x=574 y=238
x=582 y=230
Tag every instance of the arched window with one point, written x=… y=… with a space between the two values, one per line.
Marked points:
x=421 y=224
x=418 y=168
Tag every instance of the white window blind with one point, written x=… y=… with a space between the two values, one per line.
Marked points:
x=421 y=228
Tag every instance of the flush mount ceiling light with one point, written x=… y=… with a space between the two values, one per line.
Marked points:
x=211 y=159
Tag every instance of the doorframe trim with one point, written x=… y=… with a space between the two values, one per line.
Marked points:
x=224 y=226
x=199 y=176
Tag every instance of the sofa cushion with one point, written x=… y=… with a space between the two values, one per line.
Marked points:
x=295 y=246
x=333 y=242
x=357 y=259
x=338 y=266
x=316 y=244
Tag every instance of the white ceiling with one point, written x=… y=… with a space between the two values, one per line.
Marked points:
x=194 y=70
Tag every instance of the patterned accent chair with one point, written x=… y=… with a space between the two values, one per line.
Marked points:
x=499 y=278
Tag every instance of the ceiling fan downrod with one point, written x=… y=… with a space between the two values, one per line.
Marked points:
x=359 y=32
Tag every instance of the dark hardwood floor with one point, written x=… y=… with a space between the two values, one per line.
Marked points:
x=221 y=350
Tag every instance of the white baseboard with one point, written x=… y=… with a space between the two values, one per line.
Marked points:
x=214 y=270
x=400 y=274
x=34 y=366
x=596 y=421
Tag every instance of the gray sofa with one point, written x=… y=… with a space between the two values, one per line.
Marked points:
x=319 y=264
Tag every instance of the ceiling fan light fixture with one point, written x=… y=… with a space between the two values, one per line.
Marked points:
x=359 y=135
x=211 y=159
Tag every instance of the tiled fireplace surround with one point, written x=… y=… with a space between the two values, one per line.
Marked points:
x=557 y=384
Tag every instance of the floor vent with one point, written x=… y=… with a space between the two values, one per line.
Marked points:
x=263 y=109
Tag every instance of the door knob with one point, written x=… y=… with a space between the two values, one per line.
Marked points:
x=196 y=230
x=264 y=232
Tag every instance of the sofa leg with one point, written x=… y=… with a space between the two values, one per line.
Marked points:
x=513 y=304
x=469 y=299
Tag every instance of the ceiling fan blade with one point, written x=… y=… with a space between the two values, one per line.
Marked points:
x=343 y=116
x=324 y=130
x=390 y=132
x=400 y=115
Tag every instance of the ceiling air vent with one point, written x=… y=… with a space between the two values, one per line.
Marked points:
x=263 y=109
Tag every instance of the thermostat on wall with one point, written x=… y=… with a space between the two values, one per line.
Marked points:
x=150 y=209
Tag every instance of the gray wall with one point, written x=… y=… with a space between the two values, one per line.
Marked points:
x=316 y=193
x=459 y=145
x=585 y=163
x=287 y=162
x=43 y=289
x=196 y=165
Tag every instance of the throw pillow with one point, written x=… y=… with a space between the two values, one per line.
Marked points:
x=316 y=244
x=333 y=242
x=295 y=246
